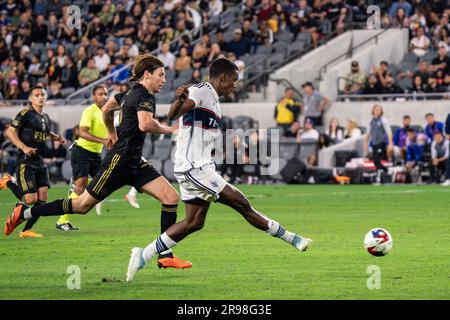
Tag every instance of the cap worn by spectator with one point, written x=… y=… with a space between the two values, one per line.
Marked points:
x=237 y=31
x=307 y=84
x=355 y=63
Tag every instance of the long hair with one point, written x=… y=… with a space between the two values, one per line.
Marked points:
x=142 y=63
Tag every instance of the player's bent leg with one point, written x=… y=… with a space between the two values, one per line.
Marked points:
x=234 y=198
x=161 y=190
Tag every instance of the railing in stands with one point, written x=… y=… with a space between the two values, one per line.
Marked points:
x=397 y=96
x=214 y=22
x=263 y=76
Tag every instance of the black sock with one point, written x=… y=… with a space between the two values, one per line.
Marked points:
x=168 y=218
x=54 y=208
x=30 y=222
x=14 y=189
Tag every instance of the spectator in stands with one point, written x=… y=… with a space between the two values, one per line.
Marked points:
x=40 y=30
x=88 y=74
x=102 y=60
x=314 y=104
x=334 y=132
x=405 y=5
x=215 y=53
x=294 y=25
x=215 y=7
x=238 y=45
x=122 y=76
x=441 y=62
x=81 y=58
x=24 y=90
x=381 y=72
x=69 y=74
x=439 y=157
x=432 y=126
x=264 y=36
x=183 y=62
x=418 y=20
x=434 y=87
x=379 y=138
x=390 y=86
x=309 y=133
x=167 y=57
x=418 y=85
x=53 y=71
x=199 y=57
x=196 y=76
x=247 y=31
x=55 y=90
x=420 y=44
x=355 y=80
x=12 y=92
x=414 y=149
x=292 y=131
x=352 y=130
x=287 y=109
x=372 y=86
x=400 y=20
x=443 y=40
x=220 y=40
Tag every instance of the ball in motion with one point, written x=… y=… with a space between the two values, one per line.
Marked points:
x=378 y=242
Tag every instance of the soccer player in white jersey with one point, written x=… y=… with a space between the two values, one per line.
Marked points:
x=195 y=171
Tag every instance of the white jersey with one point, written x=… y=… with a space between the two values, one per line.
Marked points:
x=198 y=129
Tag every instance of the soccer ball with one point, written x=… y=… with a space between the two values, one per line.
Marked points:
x=378 y=242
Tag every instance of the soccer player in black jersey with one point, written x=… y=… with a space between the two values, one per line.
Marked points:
x=123 y=164
x=29 y=131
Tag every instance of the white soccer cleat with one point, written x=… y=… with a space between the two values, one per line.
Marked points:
x=136 y=263
x=132 y=200
x=98 y=208
x=302 y=244
x=446 y=183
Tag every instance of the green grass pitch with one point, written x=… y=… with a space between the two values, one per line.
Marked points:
x=232 y=260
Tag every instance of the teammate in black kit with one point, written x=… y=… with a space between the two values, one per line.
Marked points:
x=123 y=164
x=29 y=131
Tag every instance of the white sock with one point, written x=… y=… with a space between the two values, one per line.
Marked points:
x=27 y=213
x=161 y=244
x=132 y=192
x=276 y=230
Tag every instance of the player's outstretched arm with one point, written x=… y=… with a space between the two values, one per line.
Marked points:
x=182 y=104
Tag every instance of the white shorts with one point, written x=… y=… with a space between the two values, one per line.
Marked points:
x=204 y=183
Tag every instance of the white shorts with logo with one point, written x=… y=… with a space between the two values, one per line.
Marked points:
x=204 y=183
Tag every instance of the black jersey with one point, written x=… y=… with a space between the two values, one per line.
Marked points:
x=33 y=129
x=130 y=139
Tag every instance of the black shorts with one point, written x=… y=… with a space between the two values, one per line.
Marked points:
x=84 y=163
x=30 y=178
x=116 y=173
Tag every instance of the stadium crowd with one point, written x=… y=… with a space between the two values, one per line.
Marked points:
x=39 y=46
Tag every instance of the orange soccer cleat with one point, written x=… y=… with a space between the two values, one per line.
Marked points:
x=174 y=262
x=13 y=220
x=30 y=234
x=4 y=180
